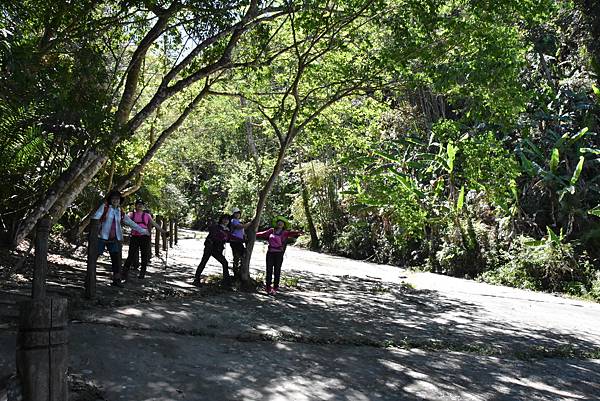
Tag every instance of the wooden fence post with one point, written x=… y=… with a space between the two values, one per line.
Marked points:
x=42 y=349
x=164 y=236
x=40 y=270
x=157 y=238
x=92 y=256
x=171 y=229
x=176 y=232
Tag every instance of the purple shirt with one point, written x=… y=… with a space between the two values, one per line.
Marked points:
x=238 y=230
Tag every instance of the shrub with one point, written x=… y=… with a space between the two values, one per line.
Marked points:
x=595 y=287
x=535 y=265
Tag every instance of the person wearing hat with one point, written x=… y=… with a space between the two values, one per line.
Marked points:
x=236 y=240
x=277 y=237
x=214 y=245
x=139 y=241
x=110 y=234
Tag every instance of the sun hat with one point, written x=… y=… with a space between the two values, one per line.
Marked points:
x=286 y=222
x=235 y=210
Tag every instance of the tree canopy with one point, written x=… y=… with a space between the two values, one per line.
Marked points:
x=455 y=136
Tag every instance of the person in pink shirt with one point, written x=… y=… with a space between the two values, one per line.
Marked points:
x=277 y=239
x=138 y=241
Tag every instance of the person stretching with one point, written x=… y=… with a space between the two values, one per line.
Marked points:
x=277 y=238
x=214 y=245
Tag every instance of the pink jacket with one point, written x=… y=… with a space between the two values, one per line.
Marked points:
x=277 y=241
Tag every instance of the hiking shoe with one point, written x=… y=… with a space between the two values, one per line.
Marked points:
x=274 y=290
x=268 y=290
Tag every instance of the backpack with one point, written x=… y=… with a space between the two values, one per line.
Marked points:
x=144 y=213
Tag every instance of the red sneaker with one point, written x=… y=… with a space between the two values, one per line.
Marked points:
x=268 y=290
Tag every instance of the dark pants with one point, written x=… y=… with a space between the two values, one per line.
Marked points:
x=137 y=244
x=114 y=250
x=216 y=252
x=274 y=261
x=239 y=250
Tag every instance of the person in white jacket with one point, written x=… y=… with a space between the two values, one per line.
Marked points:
x=110 y=234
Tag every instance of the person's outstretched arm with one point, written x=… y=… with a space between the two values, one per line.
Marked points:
x=294 y=234
x=264 y=234
x=127 y=220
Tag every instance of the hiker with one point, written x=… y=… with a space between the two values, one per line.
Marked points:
x=214 y=245
x=277 y=238
x=237 y=240
x=110 y=235
x=138 y=241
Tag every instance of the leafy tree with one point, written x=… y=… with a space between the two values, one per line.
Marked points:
x=214 y=29
x=317 y=71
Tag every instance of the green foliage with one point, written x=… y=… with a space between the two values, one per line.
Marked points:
x=549 y=265
x=594 y=291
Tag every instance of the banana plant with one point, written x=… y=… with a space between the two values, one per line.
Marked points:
x=564 y=183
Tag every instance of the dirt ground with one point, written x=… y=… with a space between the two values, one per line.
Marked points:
x=340 y=330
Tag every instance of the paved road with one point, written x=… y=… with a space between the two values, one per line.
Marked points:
x=348 y=330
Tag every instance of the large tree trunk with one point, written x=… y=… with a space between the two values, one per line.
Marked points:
x=55 y=192
x=76 y=187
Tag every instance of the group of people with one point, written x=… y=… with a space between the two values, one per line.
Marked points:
x=111 y=217
x=228 y=228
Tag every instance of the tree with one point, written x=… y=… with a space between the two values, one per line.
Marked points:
x=328 y=60
x=214 y=29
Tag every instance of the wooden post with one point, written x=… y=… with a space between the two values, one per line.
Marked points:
x=42 y=349
x=157 y=238
x=92 y=257
x=164 y=237
x=171 y=228
x=40 y=269
x=176 y=233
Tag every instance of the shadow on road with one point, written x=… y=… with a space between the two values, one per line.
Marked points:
x=166 y=339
